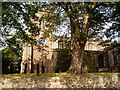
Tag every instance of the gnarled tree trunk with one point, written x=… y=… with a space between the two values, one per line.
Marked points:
x=78 y=41
x=77 y=56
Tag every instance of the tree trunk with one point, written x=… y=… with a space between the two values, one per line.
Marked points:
x=32 y=58
x=77 y=57
x=38 y=69
x=78 y=41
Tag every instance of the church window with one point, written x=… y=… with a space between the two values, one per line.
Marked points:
x=42 y=41
x=60 y=44
x=64 y=44
x=115 y=55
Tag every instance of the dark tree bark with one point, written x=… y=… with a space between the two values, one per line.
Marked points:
x=78 y=41
x=38 y=69
x=32 y=59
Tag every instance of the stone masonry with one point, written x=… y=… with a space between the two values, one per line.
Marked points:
x=62 y=82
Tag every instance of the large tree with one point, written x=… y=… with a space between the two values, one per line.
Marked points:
x=86 y=20
x=15 y=25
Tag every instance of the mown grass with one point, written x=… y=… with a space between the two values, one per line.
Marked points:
x=45 y=75
x=103 y=74
x=34 y=75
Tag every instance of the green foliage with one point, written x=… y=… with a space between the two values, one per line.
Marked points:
x=87 y=63
x=12 y=52
x=16 y=20
x=6 y=63
x=114 y=31
x=100 y=14
x=8 y=56
x=16 y=15
x=63 y=61
x=59 y=14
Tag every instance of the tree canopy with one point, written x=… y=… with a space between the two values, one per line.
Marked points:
x=16 y=17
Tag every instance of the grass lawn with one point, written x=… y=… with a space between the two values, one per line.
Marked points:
x=45 y=75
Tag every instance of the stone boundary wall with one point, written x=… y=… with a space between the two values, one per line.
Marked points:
x=62 y=82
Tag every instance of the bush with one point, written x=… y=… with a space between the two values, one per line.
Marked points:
x=63 y=61
x=87 y=63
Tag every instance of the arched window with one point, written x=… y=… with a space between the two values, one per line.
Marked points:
x=101 y=61
x=25 y=71
x=60 y=44
x=115 y=55
x=64 y=44
x=90 y=46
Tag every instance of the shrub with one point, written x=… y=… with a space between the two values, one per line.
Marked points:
x=63 y=61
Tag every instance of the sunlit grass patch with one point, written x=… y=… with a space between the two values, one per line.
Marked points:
x=57 y=75
x=17 y=75
x=45 y=75
x=103 y=74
